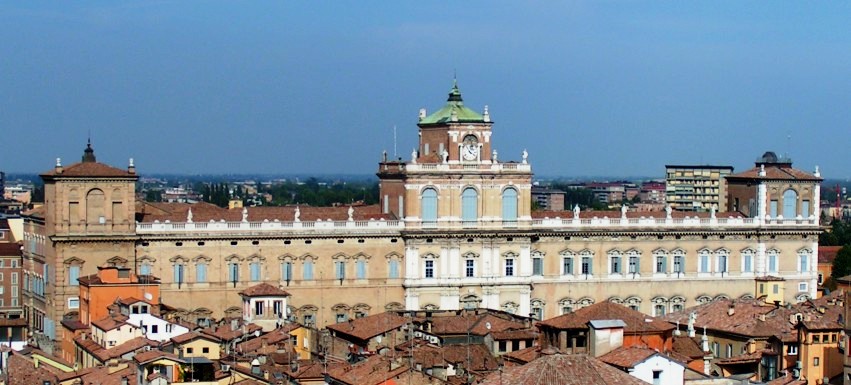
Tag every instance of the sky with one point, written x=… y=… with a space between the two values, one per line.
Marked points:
x=316 y=87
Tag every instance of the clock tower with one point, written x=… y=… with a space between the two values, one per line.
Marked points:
x=454 y=177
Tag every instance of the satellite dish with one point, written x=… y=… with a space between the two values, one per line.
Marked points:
x=378 y=339
x=488 y=325
x=149 y=297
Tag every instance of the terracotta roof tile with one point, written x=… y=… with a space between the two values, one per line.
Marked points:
x=109 y=322
x=9 y=249
x=615 y=214
x=205 y=212
x=687 y=346
x=562 y=369
x=186 y=337
x=826 y=254
x=775 y=172
x=374 y=370
x=89 y=169
x=627 y=358
x=477 y=324
x=370 y=326
x=151 y=355
x=264 y=290
x=636 y=322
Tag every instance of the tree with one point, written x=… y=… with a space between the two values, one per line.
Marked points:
x=842 y=262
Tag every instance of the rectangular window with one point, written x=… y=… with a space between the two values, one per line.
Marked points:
x=14 y=264
x=205 y=350
x=509 y=267
x=255 y=271
x=537 y=266
x=616 y=265
x=307 y=270
x=190 y=350
x=773 y=209
x=201 y=273
x=429 y=269
x=394 y=269
x=802 y=286
x=804 y=266
x=340 y=270
x=145 y=268
x=586 y=266
x=775 y=289
x=792 y=350
x=155 y=329
x=342 y=318
x=258 y=307
x=73 y=274
x=233 y=272
x=360 y=267
x=567 y=265
x=633 y=265
x=14 y=278
x=14 y=291
x=704 y=263
x=470 y=268
x=722 y=263
x=805 y=209
x=277 y=308
x=287 y=271
x=678 y=264
x=309 y=319
x=772 y=263
x=178 y=273
x=661 y=264
x=73 y=303
x=816 y=361
x=747 y=264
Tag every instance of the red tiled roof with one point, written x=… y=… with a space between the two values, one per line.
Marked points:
x=373 y=371
x=627 y=358
x=109 y=322
x=205 y=212
x=186 y=337
x=525 y=334
x=524 y=355
x=264 y=290
x=9 y=249
x=562 y=369
x=89 y=169
x=151 y=355
x=636 y=322
x=225 y=333
x=826 y=254
x=477 y=324
x=775 y=172
x=22 y=371
x=370 y=326
x=747 y=358
x=687 y=346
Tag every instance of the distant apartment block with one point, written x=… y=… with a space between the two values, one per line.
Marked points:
x=10 y=281
x=696 y=188
x=611 y=192
x=548 y=199
x=652 y=192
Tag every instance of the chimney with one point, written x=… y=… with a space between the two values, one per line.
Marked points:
x=131 y=168
x=234 y=324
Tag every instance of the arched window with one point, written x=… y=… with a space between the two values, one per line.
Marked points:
x=790 y=203
x=469 y=205
x=509 y=205
x=429 y=205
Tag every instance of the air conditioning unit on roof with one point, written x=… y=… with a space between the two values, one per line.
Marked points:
x=225 y=368
x=418 y=334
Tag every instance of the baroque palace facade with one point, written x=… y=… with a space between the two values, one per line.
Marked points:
x=454 y=229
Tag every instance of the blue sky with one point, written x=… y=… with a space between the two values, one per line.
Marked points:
x=589 y=88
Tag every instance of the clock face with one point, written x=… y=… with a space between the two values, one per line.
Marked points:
x=470 y=148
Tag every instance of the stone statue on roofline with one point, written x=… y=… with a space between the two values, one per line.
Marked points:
x=525 y=156
x=244 y=214
x=189 y=216
x=297 y=215
x=445 y=156
x=576 y=211
x=351 y=212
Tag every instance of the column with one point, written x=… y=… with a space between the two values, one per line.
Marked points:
x=525 y=302
x=412 y=262
x=454 y=262
x=444 y=270
x=412 y=300
x=814 y=204
x=762 y=202
x=525 y=263
x=761 y=266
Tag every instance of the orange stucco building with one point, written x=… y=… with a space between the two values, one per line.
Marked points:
x=99 y=291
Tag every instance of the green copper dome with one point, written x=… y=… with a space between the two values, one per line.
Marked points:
x=454 y=105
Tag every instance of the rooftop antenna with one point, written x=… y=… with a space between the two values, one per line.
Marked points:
x=394 y=142
x=788 y=144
